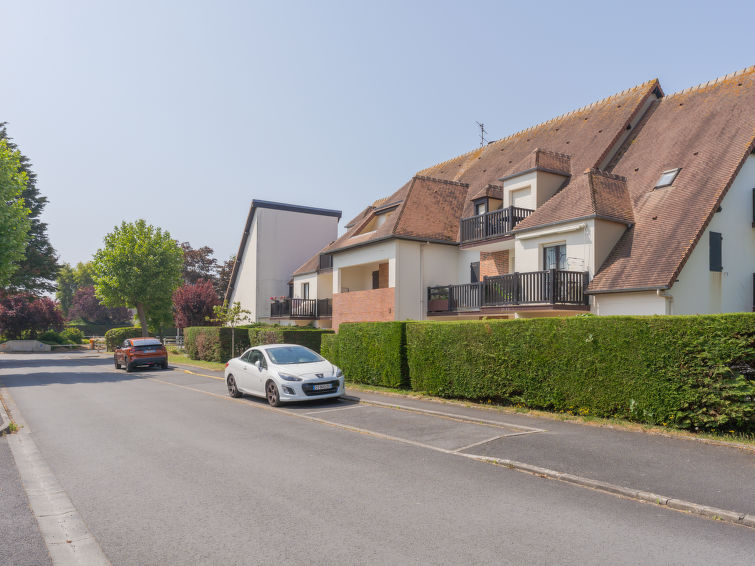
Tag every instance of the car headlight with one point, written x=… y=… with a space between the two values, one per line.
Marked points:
x=339 y=373
x=288 y=377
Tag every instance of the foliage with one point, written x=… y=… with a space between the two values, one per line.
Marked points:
x=198 y=264
x=224 y=276
x=213 y=343
x=193 y=304
x=230 y=316
x=693 y=372
x=329 y=348
x=71 y=279
x=93 y=329
x=309 y=337
x=51 y=337
x=14 y=214
x=373 y=353
x=39 y=266
x=24 y=316
x=115 y=337
x=139 y=266
x=87 y=307
x=73 y=334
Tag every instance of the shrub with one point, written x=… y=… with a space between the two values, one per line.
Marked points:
x=373 y=353
x=685 y=371
x=115 y=336
x=309 y=337
x=73 y=334
x=213 y=343
x=51 y=337
x=329 y=348
x=25 y=316
x=94 y=329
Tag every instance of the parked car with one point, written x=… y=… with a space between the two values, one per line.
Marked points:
x=140 y=352
x=283 y=373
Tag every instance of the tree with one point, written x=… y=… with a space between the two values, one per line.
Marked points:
x=86 y=306
x=193 y=304
x=14 y=215
x=39 y=266
x=198 y=264
x=230 y=316
x=71 y=279
x=224 y=277
x=23 y=313
x=140 y=267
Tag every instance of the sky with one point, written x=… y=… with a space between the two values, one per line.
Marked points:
x=182 y=112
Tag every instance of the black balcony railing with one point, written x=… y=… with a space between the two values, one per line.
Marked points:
x=492 y=224
x=301 y=308
x=551 y=286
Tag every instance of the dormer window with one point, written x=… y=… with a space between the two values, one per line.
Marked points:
x=667 y=178
x=480 y=207
x=379 y=217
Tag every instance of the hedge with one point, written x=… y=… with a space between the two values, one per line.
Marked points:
x=373 y=353
x=693 y=372
x=94 y=329
x=115 y=336
x=329 y=348
x=309 y=337
x=213 y=343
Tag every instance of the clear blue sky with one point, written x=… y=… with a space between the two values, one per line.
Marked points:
x=181 y=112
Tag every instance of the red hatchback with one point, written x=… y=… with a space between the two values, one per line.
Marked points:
x=140 y=352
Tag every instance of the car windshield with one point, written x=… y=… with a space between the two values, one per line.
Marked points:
x=293 y=355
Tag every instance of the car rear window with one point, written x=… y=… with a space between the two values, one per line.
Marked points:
x=147 y=342
x=293 y=355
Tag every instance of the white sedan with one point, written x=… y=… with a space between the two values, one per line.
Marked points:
x=282 y=373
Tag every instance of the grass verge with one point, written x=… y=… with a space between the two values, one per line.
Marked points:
x=186 y=360
x=738 y=440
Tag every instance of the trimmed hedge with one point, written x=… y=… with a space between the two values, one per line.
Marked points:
x=213 y=343
x=309 y=337
x=373 y=353
x=693 y=372
x=94 y=329
x=329 y=348
x=115 y=336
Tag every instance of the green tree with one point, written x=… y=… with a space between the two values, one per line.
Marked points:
x=230 y=316
x=38 y=267
x=71 y=279
x=14 y=215
x=139 y=267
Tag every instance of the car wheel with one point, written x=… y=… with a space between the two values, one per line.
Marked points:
x=115 y=361
x=233 y=390
x=273 y=397
x=129 y=367
x=164 y=365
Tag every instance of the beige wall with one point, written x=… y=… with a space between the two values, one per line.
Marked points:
x=701 y=291
x=531 y=190
x=245 y=289
x=643 y=303
x=578 y=237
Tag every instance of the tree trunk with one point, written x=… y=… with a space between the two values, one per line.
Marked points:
x=142 y=318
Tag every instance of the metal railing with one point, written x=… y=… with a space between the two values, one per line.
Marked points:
x=301 y=308
x=492 y=224
x=551 y=286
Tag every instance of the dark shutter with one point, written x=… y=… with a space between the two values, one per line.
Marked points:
x=376 y=279
x=475 y=272
x=716 y=255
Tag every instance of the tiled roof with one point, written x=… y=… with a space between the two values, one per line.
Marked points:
x=586 y=135
x=311 y=265
x=708 y=131
x=594 y=193
x=542 y=160
x=491 y=191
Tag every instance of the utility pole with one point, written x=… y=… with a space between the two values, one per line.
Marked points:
x=483 y=131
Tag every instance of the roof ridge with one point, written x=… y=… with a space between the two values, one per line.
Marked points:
x=446 y=181
x=541 y=150
x=596 y=171
x=712 y=82
x=541 y=124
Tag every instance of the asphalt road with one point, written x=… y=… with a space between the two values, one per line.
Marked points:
x=165 y=469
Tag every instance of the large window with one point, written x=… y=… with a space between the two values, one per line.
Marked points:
x=305 y=290
x=554 y=257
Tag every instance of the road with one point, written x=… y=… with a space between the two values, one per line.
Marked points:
x=164 y=468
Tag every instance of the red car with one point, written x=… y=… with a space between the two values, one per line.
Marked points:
x=140 y=352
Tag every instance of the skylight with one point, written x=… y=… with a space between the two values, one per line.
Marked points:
x=667 y=178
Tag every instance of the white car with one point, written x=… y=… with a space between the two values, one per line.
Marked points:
x=283 y=373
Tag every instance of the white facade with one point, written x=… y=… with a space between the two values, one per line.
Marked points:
x=279 y=238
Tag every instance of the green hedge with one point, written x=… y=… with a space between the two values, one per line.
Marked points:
x=115 y=336
x=309 y=337
x=684 y=371
x=213 y=343
x=329 y=348
x=94 y=329
x=373 y=353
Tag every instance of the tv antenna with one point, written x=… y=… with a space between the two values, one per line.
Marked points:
x=483 y=131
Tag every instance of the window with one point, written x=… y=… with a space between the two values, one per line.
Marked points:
x=667 y=178
x=480 y=208
x=305 y=290
x=716 y=254
x=474 y=272
x=376 y=279
x=554 y=257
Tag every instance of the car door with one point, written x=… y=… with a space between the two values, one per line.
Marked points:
x=120 y=353
x=258 y=372
x=243 y=372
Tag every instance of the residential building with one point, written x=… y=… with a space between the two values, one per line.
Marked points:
x=641 y=203
x=277 y=238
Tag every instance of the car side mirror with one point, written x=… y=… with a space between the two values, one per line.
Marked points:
x=258 y=364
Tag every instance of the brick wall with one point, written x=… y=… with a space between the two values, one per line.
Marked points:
x=494 y=263
x=383 y=276
x=364 y=306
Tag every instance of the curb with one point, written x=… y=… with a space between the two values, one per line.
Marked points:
x=725 y=515
x=4 y=416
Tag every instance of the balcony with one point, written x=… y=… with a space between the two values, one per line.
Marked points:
x=543 y=288
x=492 y=225
x=301 y=308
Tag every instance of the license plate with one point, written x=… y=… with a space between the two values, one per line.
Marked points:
x=149 y=351
x=321 y=386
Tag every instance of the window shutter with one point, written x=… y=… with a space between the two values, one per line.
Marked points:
x=716 y=256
